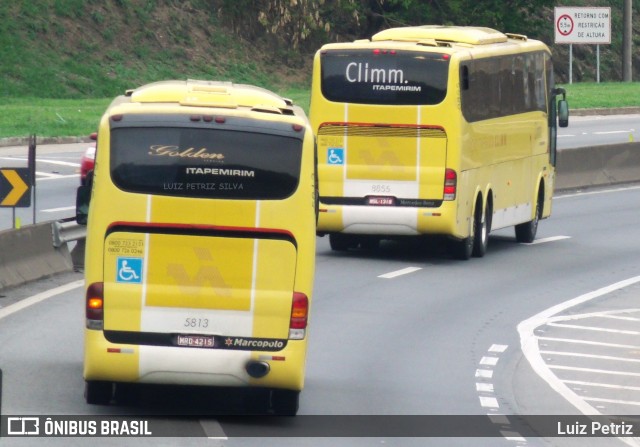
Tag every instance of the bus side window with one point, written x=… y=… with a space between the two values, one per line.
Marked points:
x=465 y=78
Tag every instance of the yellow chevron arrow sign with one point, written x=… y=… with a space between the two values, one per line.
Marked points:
x=14 y=188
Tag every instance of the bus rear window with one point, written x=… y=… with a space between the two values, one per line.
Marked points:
x=205 y=163
x=384 y=77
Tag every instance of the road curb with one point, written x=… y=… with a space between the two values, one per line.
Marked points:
x=604 y=112
x=24 y=141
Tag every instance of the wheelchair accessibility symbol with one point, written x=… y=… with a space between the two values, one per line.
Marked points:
x=335 y=156
x=129 y=270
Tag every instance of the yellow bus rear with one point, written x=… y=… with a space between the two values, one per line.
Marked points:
x=200 y=241
x=434 y=130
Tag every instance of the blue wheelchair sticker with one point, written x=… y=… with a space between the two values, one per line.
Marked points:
x=129 y=270
x=335 y=156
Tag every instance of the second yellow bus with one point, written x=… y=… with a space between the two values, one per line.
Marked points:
x=438 y=130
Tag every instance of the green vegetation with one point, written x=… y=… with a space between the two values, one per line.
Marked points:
x=79 y=117
x=63 y=60
x=590 y=95
x=21 y=117
x=50 y=117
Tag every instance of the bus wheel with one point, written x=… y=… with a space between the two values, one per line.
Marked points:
x=526 y=232
x=341 y=242
x=481 y=231
x=97 y=392
x=461 y=248
x=285 y=402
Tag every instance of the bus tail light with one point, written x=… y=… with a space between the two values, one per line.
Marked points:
x=95 y=306
x=450 y=184
x=299 y=316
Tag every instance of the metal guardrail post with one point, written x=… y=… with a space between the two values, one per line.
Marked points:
x=67 y=230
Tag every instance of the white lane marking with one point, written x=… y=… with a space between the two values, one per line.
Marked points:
x=566 y=135
x=611 y=132
x=56 y=210
x=489 y=402
x=499 y=419
x=617 y=317
x=47 y=174
x=590 y=356
x=35 y=299
x=547 y=239
x=489 y=361
x=484 y=373
x=594 y=370
x=600 y=191
x=58 y=177
x=612 y=401
x=593 y=328
x=44 y=160
x=603 y=385
x=397 y=273
x=512 y=436
x=213 y=429
x=531 y=350
x=587 y=342
x=484 y=387
x=498 y=348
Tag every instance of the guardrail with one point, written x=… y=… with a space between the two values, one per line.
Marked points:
x=67 y=230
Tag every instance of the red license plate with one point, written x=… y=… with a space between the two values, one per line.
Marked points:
x=381 y=201
x=196 y=341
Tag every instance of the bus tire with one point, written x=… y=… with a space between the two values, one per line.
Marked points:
x=285 y=402
x=461 y=248
x=341 y=242
x=482 y=227
x=98 y=392
x=526 y=232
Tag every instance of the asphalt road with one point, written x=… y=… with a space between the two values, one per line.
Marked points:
x=543 y=329
x=403 y=330
x=586 y=131
x=57 y=177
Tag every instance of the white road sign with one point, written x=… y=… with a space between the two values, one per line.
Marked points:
x=582 y=25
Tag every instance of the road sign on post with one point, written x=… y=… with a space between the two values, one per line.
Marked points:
x=14 y=187
x=582 y=25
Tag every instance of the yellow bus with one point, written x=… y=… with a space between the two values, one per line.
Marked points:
x=437 y=130
x=200 y=245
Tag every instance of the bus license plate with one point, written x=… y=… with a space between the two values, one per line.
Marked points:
x=196 y=341
x=381 y=201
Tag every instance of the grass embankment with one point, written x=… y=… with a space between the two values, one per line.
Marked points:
x=606 y=95
x=20 y=117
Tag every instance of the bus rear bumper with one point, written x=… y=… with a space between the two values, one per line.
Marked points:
x=105 y=361
x=389 y=221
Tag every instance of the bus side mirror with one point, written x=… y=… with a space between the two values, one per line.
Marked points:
x=563 y=113
x=83 y=197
